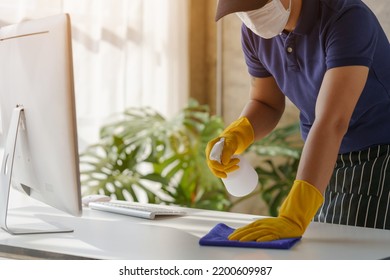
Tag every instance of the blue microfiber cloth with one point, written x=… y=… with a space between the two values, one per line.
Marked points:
x=218 y=236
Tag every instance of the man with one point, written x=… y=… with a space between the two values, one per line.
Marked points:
x=331 y=58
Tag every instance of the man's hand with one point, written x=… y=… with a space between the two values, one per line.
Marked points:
x=295 y=215
x=238 y=136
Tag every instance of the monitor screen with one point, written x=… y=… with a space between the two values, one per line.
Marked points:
x=37 y=89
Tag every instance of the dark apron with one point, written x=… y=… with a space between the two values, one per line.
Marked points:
x=359 y=191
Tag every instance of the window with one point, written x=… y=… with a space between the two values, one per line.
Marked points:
x=126 y=53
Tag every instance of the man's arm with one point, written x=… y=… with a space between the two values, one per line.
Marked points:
x=339 y=94
x=265 y=106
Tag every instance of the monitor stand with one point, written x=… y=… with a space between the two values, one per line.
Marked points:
x=5 y=187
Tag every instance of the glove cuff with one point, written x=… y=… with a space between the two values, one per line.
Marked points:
x=243 y=131
x=301 y=204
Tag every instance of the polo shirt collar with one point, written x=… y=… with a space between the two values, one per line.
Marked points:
x=308 y=16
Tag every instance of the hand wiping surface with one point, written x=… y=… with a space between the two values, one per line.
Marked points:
x=218 y=236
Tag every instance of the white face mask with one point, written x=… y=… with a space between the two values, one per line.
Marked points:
x=268 y=21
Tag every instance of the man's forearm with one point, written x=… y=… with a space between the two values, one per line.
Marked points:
x=262 y=117
x=320 y=154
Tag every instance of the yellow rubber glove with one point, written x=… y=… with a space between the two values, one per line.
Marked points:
x=238 y=136
x=295 y=215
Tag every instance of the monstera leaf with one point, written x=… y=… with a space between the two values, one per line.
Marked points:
x=143 y=154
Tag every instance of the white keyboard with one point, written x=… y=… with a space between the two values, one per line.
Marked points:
x=135 y=209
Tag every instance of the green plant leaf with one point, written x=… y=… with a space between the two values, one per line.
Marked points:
x=139 y=148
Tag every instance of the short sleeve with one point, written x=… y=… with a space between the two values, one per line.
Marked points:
x=351 y=38
x=250 y=46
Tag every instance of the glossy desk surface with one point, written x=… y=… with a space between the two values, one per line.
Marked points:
x=100 y=235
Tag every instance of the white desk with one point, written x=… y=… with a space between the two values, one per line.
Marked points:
x=110 y=236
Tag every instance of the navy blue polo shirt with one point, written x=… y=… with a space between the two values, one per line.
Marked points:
x=329 y=33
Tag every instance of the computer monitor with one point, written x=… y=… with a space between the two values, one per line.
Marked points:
x=38 y=117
